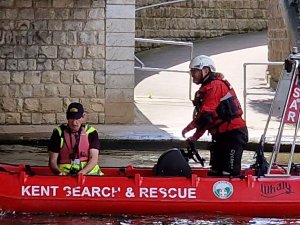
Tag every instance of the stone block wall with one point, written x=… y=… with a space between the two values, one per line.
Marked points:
x=59 y=51
x=199 y=19
x=53 y=52
x=120 y=33
x=281 y=38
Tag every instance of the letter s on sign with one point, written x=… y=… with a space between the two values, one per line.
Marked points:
x=67 y=189
x=296 y=93
x=163 y=192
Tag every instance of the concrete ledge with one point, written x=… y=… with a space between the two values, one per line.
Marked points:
x=42 y=139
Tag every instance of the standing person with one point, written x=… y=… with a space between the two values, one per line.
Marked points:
x=74 y=148
x=219 y=112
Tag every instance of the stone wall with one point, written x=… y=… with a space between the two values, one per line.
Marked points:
x=53 y=52
x=59 y=51
x=280 y=41
x=119 y=83
x=199 y=19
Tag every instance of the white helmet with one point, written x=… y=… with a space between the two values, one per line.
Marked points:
x=201 y=61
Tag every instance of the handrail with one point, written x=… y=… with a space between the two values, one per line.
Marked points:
x=190 y=44
x=160 y=4
x=144 y=68
x=245 y=93
x=168 y=42
x=139 y=61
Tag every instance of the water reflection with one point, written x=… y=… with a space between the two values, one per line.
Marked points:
x=26 y=219
x=39 y=156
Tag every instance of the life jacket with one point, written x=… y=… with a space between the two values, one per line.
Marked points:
x=229 y=107
x=70 y=148
x=228 y=112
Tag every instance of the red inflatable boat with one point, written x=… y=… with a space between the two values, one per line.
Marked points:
x=140 y=191
x=265 y=189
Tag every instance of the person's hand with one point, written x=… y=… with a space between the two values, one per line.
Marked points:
x=81 y=172
x=184 y=131
x=62 y=174
x=187 y=129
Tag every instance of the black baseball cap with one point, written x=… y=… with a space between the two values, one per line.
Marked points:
x=75 y=111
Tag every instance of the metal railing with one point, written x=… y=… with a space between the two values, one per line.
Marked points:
x=157 y=41
x=245 y=93
x=160 y=4
x=144 y=68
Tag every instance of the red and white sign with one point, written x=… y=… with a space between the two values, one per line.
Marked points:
x=292 y=111
x=109 y=192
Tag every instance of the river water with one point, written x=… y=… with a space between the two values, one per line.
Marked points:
x=38 y=156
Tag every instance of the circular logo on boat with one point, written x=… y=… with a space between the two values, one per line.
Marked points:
x=223 y=189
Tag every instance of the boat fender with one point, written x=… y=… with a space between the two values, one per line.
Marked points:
x=173 y=163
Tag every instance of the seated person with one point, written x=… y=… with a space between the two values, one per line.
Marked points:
x=74 y=148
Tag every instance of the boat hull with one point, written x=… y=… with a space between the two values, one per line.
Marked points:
x=138 y=191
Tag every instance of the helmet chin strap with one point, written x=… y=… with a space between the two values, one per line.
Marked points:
x=203 y=77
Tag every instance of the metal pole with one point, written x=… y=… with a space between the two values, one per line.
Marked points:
x=139 y=61
x=160 y=4
x=147 y=40
x=293 y=146
x=158 y=41
x=245 y=93
x=159 y=69
x=190 y=44
x=190 y=84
